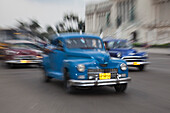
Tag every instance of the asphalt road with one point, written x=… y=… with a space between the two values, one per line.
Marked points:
x=23 y=91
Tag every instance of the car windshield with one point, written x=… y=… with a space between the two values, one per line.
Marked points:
x=84 y=43
x=119 y=44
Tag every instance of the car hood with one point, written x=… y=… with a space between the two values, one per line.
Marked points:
x=100 y=56
x=125 y=51
x=24 y=52
x=37 y=51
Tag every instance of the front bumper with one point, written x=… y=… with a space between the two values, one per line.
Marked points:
x=137 y=63
x=86 y=83
x=135 y=60
x=23 y=61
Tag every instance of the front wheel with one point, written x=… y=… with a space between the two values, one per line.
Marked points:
x=10 y=65
x=69 y=89
x=141 y=68
x=120 y=88
x=45 y=77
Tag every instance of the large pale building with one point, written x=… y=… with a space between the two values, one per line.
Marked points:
x=140 y=20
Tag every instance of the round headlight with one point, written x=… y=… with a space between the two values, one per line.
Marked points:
x=81 y=67
x=123 y=67
x=118 y=54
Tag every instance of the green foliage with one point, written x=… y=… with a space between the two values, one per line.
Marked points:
x=139 y=44
x=34 y=25
x=167 y=45
x=50 y=30
x=70 y=23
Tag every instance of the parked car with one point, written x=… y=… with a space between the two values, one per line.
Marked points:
x=123 y=49
x=3 y=46
x=19 y=53
x=81 y=61
x=26 y=44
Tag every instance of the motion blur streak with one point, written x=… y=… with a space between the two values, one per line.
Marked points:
x=23 y=91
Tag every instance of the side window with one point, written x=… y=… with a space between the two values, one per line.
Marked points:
x=59 y=44
x=110 y=45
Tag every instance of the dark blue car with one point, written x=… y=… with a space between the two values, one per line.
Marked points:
x=81 y=61
x=124 y=50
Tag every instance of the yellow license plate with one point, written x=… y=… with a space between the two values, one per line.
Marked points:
x=136 y=63
x=25 y=61
x=103 y=76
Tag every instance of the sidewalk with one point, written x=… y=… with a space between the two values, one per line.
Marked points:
x=154 y=50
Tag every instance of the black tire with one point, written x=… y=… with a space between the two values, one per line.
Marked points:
x=120 y=88
x=10 y=66
x=141 y=67
x=68 y=88
x=46 y=78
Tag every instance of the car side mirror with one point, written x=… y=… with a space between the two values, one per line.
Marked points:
x=47 y=51
x=60 y=48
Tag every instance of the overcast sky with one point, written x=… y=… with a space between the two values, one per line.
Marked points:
x=47 y=12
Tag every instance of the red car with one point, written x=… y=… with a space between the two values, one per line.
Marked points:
x=17 y=54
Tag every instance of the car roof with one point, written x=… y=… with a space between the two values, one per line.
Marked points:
x=18 y=41
x=108 y=39
x=75 y=35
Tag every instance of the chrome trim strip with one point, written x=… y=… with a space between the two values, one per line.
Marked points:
x=99 y=82
x=141 y=63
x=132 y=57
x=94 y=72
x=101 y=72
x=18 y=62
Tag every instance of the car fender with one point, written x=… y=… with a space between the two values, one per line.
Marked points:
x=71 y=66
x=46 y=62
x=140 y=53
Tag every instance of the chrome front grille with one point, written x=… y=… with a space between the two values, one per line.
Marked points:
x=25 y=57
x=93 y=73
x=134 y=59
x=103 y=70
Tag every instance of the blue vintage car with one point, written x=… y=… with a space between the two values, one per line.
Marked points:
x=123 y=49
x=80 y=60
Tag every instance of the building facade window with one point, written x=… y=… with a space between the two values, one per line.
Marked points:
x=125 y=11
x=119 y=13
x=108 y=19
x=132 y=10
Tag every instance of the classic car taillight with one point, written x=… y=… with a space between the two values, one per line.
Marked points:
x=39 y=57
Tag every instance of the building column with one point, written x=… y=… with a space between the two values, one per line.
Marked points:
x=94 y=22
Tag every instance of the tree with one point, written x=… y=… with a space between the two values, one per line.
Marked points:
x=34 y=25
x=22 y=25
x=70 y=23
x=32 y=28
x=81 y=25
x=50 y=30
